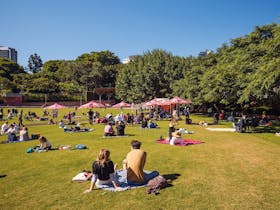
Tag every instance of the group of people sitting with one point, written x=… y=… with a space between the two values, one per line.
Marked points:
x=109 y=130
x=247 y=123
x=14 y=133
x=175 y=135
x=104 y=170
x=148 y=123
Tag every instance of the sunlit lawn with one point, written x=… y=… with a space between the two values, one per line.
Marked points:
x=228 y=171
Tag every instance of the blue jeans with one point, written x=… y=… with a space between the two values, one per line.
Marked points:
x=12 y=137
x=148 y=176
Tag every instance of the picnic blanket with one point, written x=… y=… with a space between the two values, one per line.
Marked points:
x=8 y=142
x=222 y=129
x=186 y=142
x=122 y=181
x=78 y=131
x=108 y=137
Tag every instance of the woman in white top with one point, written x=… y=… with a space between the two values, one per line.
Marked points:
x=12 y=133
x=23 y=134
x=4 y=128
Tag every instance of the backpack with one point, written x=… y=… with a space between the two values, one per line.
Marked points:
x=81 y=146
x=157 y=183
x=29 y=150
x=35 y=136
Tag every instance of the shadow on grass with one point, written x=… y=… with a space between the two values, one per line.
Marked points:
x=265 y=129
x=170 y=178
x=2 y=175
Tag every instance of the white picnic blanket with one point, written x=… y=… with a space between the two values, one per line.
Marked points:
x=222 y=129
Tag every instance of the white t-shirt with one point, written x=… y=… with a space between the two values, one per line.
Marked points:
x=4 y=128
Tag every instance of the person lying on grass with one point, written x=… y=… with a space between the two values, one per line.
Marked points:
x=76 y=128
x=103 y=171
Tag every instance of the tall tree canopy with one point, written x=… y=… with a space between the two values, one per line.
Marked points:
x=71 y=78
x=149 y=76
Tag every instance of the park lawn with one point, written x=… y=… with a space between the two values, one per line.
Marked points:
x=228 y=171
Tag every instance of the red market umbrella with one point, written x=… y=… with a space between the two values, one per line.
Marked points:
x=121 y=105
x=55 y=106
x=92 y=104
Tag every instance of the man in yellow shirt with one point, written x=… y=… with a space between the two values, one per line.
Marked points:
x=134 y=164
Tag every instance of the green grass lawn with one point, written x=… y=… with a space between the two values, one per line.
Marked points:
x=229 y=171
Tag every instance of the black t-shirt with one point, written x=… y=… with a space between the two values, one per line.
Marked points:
x=103 y=172
x=90 y=114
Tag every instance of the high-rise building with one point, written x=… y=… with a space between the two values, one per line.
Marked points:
x=205 y=53
x=7 y=52
x=128 y=59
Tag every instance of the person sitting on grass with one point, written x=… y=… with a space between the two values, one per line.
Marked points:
x=134 y=165
x=23 y=134
x=176 y=137
x=103 y=171
x=152 y=124
x=12 y=133
x=61 y=124
x=144 y=123
x=4 y=128
x=44 y=143
x=51 y=122
x=120 y=128
x=109 y=130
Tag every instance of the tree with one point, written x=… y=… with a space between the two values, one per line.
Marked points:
x=243 y=74
x=105 y=58
x=149 y=76
x=35 y=63
x=9 y=71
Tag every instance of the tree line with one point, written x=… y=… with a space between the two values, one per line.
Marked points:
x=241 y=74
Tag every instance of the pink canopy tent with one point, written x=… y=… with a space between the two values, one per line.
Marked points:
x=55 y=106
x=178 y=100
x=92 y=104
x=121 y=105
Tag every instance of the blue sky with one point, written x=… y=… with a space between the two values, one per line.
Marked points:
x=65 y=29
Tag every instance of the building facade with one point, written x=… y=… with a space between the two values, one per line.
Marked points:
x=7 y=52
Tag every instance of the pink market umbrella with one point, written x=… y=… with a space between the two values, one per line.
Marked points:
x=55 y=106
x=121 y=105
x=158 y=102
x=92 y=104
x=178 y=100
